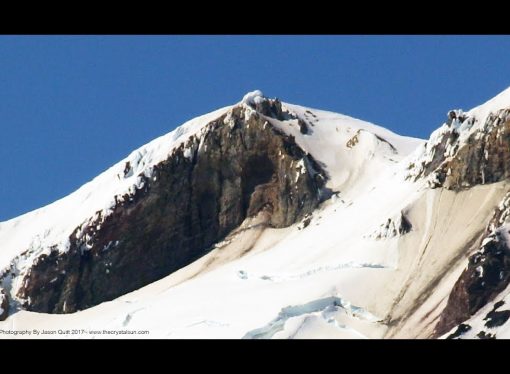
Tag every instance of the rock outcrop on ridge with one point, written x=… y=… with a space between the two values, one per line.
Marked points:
x=240 y=166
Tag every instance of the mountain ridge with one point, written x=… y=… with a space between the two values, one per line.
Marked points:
x=382 y=217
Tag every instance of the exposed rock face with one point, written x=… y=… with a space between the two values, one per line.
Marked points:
x=4 y=305
x=487 y=274
x=461 y=330
x=484 y=157
x=456 y=161
x=496 y=318
x=500 y=216
x=273 y=108
x=354 y=140
x=205 y=189
x=443 y=143
x=484 y=335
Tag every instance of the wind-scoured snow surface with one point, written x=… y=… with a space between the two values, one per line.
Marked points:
x=329 y=276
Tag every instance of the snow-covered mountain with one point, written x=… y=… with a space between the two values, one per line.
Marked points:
x=271 y=220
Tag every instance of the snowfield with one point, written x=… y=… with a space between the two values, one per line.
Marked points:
x=342 y=275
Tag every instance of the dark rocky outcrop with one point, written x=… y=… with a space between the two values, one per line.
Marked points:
x=273 y=108
x=206 y=188
x=396 y=226
x=500 y=216
x=456 y=116
x=435 y=157
x=487 y=274
x=351 y=143
x=4 y=305
x=484 y=157
x=496 y=318
x=354 y=140
x=303 y=127
x=483 y=335
x=461 y=330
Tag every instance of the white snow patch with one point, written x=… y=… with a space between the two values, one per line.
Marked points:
x=253 y=97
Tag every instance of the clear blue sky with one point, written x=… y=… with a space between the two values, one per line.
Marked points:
x=71 y=106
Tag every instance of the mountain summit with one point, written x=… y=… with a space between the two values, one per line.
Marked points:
x=271 y=220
